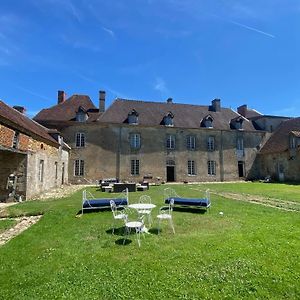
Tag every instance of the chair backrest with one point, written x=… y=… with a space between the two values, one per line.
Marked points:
x=113 y=207
x=207 y=195
x=168 y=193
x=145 y=199
x=171 y=205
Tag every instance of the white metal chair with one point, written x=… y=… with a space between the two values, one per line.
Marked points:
x=117 y=214
x=145 y=212
x=165 y=213
x=137 y=225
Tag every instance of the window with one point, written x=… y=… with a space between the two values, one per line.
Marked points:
x=133 y=117
x=168 y=119
x=293 y=143
x=80 y=140
x=41 y=170
x=207 y=122
x=191 y=167
x=135 y=141
x=135 y=167
x=211 y=143
x=170 y=141
x=191 y=142
x=211 y=167
x=81 y=115
x=15 y=142
x=240 y=143
x=56 y=169
x=79 y=167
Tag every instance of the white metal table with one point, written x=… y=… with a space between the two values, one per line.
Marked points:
x=143 y=209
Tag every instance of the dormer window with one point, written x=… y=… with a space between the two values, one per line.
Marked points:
x=15 y=142
x=294 y=139
x=133 y=117
x=81 y=115
x=237 y=123
x=207 y=122
x=168 y=119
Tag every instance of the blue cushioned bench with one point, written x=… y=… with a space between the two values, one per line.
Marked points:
x=181 y=201
x=90 y=202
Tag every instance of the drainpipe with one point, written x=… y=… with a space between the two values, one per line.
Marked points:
x=221 y=154
x=118 y=154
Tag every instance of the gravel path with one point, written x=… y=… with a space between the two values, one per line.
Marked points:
x=24 y=223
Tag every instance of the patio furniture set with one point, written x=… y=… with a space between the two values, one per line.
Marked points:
x=122 y=210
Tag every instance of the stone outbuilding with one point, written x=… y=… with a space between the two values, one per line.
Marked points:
x=33 y=159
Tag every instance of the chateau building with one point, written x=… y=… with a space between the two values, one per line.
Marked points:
x=168 y=141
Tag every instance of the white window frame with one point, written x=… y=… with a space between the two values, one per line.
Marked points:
x=135 y=141
x=191 y=165
x=170 y=142
x=80 y=140
x=135 y=167
x=211 y=167
x=191 y=142
x=211 y=143
x=240 y=143
x=293 y=142
x=79 y=167
x=41 y=170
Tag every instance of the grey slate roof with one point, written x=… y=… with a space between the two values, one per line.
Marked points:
x=185 y=115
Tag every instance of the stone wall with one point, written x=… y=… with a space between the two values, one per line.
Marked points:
x=107 y=152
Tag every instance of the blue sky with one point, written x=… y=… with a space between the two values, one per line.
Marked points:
x=243 y=52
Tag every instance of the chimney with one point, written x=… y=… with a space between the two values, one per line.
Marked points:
x=216 y=105
x=61 y=97
x=20 y=109
x=170 y=100
x=242 y=110
x=101 y=101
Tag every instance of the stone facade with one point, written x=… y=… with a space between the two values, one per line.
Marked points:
x=108 y=154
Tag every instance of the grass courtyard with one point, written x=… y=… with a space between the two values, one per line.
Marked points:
x=251 y=252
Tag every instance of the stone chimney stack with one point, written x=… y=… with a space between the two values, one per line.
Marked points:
x=61 y=97
x=170 y=100
x=216 y=105
x=102 y=101
x=242 y=110
x=20 y=109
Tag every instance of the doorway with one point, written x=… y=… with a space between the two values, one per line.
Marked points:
x=241 y=168
x=63 y=173
x=170 y=173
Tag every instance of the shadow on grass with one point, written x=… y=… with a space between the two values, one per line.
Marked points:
x=120 y=231
x=92 y=210
x=193 y=210
x=123 y=242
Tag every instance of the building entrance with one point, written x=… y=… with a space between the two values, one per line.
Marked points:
x=170 y=173
x=241 y=169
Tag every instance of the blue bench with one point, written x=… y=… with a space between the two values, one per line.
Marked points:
x=90 y=202
x=182 y=201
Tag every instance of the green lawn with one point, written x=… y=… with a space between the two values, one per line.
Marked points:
x=6 y=224
x=251 y=252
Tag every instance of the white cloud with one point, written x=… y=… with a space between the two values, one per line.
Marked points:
x=109 y=31
x=160 y=85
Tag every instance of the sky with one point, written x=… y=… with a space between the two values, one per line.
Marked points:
x=242 y=52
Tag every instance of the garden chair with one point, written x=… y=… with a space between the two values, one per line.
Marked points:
x=145 y=212
x=165 y=213
x=137 y=225
x=117 y=214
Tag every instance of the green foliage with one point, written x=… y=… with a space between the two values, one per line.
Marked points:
x=249 y=252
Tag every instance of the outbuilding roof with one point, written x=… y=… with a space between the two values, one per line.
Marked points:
x=279 y=141
x=16 y=120
x=66 y=111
